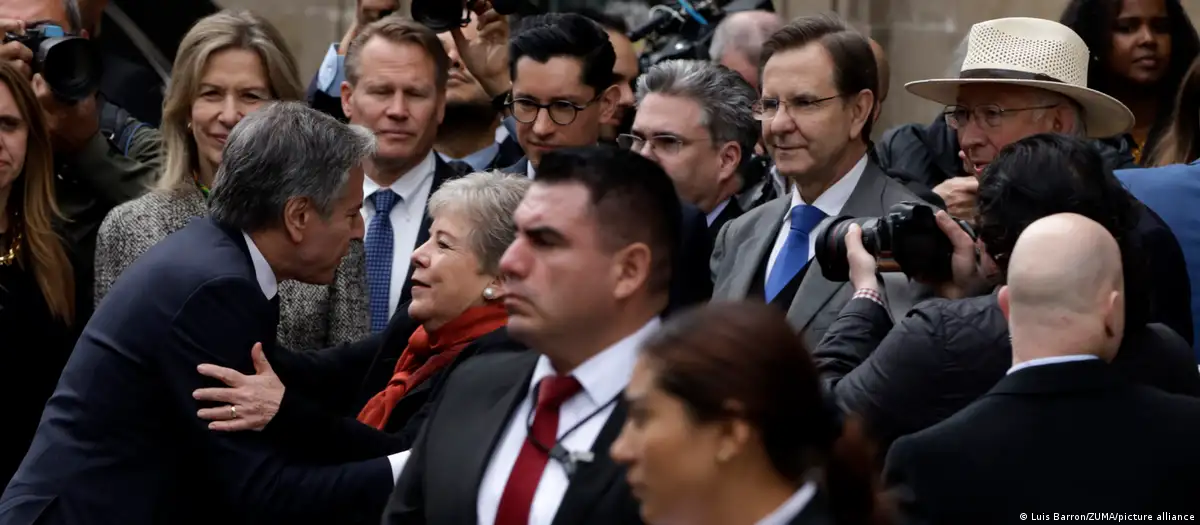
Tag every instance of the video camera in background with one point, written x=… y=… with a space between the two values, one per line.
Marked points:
x=684 y=28
x=908 y=237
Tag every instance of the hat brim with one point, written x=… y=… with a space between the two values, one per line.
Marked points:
x=1103 y=115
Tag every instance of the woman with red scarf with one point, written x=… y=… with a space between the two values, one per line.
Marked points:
x=366 y=399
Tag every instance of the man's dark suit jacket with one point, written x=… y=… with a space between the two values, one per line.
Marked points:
x=321 y=101
x=441 y=481
x=1070 y=438
x=119 y=441
x=691 y=282
x=317 y=417
x=945 y=354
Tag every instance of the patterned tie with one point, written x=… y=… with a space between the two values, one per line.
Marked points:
x=380 y=250
x=795 y=250
x=526 y=473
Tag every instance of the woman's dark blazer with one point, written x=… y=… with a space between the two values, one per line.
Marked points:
x=325 y=390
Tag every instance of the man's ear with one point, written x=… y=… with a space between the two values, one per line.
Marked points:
x=298 y=215
x=1003 y=298
x=862 y=108
x=347 y=98
x=730 y=156
x=608 y=103
x=631 y=269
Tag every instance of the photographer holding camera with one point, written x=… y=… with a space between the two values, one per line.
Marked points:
x=948 y=352
x=43 y=39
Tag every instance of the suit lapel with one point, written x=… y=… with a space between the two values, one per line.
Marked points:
x=593 y=480
x=500 y=400
x=442 y=172
x=815 y=290
x=752 y=254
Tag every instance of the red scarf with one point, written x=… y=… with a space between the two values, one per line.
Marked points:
x=427 y=354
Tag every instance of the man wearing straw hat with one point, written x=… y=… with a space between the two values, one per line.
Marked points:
x=1024 y=76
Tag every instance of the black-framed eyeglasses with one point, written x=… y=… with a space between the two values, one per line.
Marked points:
x=664 y=143
x=767 y=108
x=986 y=115
x=562 y=112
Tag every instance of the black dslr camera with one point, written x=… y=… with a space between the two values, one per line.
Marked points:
x=69 y=64
x=908 y=235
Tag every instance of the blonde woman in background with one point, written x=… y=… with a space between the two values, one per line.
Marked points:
x=229 y=65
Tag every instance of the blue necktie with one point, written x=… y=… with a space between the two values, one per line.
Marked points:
x=380 y=247
x=795 y=250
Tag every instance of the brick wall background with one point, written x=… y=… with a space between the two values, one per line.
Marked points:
x=920 y=36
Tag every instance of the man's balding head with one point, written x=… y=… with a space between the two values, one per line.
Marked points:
x=1065 y=292
x=737 y=43
x=885 y=76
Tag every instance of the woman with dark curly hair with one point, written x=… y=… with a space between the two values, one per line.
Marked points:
x=1141 y=50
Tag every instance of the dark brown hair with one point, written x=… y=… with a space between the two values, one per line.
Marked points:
x=399 y=30
x=1180 y=143
x=33 y=209
x=854 y=67
x=744 y=354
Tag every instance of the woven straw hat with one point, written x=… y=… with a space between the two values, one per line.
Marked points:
x=1031 y=52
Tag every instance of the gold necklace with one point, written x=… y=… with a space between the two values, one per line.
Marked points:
x=13 y=251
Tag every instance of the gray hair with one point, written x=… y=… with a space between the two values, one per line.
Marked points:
x=487 y=199
x=1051 y=98
x=281 y=152
x=744 y=32
x=724 y=97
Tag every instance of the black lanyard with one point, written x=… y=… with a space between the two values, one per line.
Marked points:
x=569 y=460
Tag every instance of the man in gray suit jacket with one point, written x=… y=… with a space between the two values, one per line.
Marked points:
x=819 y=82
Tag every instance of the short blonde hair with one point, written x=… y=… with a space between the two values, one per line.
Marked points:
x=488 y=200
x=213 y=34
x=398 y=29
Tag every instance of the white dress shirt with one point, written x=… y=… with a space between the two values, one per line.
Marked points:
x=603 y=377
x=1051 y=361
x=792 y=507
x=712 y=215
x=406 y=217
x=270 y=286
x=831 y=203
x=530 y=171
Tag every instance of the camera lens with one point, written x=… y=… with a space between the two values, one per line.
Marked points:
x=70 y=66
x=439 y=15
x=830 y=250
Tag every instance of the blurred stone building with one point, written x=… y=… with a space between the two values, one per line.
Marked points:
x=920 y=36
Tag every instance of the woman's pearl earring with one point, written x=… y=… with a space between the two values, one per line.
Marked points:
x=489 y=293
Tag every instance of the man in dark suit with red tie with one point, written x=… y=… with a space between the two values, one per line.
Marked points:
x=524 y=434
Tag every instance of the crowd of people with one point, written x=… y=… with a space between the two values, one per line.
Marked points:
x=501 y=275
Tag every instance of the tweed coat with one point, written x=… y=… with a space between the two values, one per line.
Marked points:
x=312 y=317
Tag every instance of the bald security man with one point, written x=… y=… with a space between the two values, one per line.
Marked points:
x=1062 y=432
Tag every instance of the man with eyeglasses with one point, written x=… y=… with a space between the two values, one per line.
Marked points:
x=1013 y=85
x=563 y=91
x=819 y=82
x=694 y=119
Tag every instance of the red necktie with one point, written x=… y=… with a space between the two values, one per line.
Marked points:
x=531 y=462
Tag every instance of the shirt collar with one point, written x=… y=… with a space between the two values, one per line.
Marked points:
x=530 y=171
x=606 y=374
x=834 y=199
x=408 y=184
x=712 y=216
x=792 y=507
x=262 y=269
x=1042 y=361
x=481 y=159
